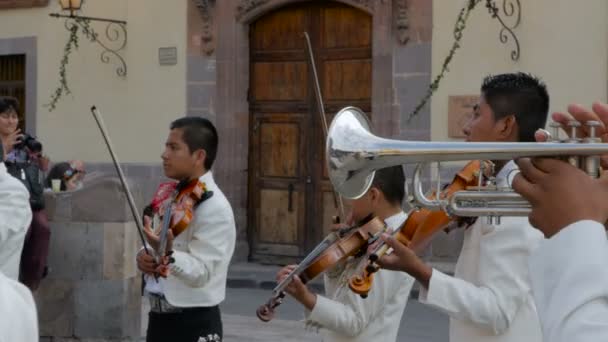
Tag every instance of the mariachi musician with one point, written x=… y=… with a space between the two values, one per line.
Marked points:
x=489 y=298
x=342 y=314
x=193 y=264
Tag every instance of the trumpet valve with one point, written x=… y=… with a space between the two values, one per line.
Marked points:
x=554 y=132
x=593 y=125
x=573 y=125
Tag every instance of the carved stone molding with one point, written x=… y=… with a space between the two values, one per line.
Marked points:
x=207 y=41
x=369 y=4
x=402 y=24
x=8 y=4
x=246 y=6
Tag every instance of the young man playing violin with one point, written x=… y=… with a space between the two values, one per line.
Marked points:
x=489 y=298
x=185 y=304
x=343 y=314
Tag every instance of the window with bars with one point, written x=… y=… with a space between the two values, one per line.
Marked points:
x=12 y=81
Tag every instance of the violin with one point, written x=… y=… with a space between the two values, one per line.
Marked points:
x=190 y=195
x=331 y=251
x=178 y=213
x=421 y=225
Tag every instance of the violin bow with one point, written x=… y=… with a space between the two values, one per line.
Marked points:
x=134 y=211
x=321 y=107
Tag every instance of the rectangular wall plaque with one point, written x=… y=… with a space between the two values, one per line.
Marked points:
x=460 y=108
x=167 y=56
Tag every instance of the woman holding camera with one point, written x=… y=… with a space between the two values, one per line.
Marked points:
x=24 y=161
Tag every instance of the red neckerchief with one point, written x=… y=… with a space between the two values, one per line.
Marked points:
x=162 y=195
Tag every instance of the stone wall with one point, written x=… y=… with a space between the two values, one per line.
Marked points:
x=93 y=290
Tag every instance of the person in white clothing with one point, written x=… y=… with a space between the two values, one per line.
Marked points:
x=489 y=298
x=18 y=311
x=568 y=270
x=342 y=314
x=185 y=304
x=15 y=218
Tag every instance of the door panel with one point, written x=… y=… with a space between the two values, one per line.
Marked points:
x=290 y=197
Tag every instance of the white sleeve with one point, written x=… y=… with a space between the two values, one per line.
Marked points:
x=351 y=316
x=503 y=279
x=15 y=212
x=212 y=242
x=18 y=311
x=570 y=284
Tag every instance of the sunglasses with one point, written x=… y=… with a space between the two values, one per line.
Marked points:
x=69 y=173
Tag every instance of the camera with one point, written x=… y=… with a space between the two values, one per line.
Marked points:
x=30 y=142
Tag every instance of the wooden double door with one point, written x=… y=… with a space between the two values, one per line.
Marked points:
x=290 y=196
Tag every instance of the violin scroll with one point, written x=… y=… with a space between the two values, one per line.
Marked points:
x=266 y=312
x=361 y=284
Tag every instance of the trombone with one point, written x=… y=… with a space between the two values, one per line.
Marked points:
x=354 y=154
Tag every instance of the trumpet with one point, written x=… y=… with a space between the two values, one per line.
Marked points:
x=354 y=154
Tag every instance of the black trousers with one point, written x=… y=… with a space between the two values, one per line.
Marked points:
x=190 y=325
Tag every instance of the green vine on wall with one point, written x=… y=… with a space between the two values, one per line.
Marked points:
x=74 y=26
x=459 y=27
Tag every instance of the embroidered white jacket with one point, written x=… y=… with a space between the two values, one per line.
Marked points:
x=345 y=316
x=489 y=299
x=570 y=284
x=15 y=218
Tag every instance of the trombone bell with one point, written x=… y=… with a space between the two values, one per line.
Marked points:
x=354 y=153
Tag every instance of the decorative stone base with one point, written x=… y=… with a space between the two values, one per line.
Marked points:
x=93 y=290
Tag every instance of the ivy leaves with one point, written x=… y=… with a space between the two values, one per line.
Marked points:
x=73 y=25
x=459 y=27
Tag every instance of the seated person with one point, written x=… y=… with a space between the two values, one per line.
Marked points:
x=69 y=177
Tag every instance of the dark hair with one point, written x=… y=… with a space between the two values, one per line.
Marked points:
x=61 y=171
x=199 y=133
x=521 y=95
x=391 y=182
x=8 y=103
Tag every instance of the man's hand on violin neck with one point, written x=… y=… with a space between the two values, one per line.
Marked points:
x=404 y=259
x=153 y=238
x=296 y=288
x=146 y=263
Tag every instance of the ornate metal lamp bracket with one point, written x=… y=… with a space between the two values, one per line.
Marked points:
x=510 y=9
x=112 y=43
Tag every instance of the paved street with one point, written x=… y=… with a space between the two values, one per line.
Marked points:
x=419 y=322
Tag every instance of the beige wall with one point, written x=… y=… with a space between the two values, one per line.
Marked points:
x=562 y=41
x=137 y=109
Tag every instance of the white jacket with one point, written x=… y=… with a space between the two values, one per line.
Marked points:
x=490 y=297
x=202 y=254
x=18 y=311
x=348 y=317
x=570 y=284
x=15 y=218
